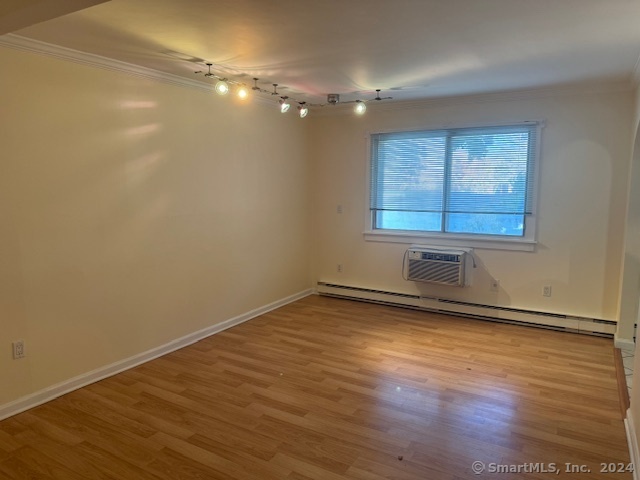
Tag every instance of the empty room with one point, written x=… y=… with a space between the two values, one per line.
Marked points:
x=319 y=240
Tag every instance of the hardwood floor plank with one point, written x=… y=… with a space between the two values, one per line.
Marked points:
x=45 y=466
x=329 y=389
x=237 y=467
x=8 y=442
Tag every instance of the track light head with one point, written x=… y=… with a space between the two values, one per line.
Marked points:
x=303 y=110
x=242 y=92
x=284 y=105
x=360 y=107
x=222 y=87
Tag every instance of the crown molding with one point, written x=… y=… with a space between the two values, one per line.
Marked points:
x=26 y=44
x=493 y=97
x=36 y=46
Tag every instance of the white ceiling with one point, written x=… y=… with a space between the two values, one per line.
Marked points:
x=419 y=48
x=16 y=14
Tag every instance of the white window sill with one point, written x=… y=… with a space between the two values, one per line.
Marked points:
x=460 y=240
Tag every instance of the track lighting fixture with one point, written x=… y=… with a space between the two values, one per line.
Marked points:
x=284 y=104
x=242 y=92
x=303 y=110
x=378 y=96
x=208 y=74
x=223 y=86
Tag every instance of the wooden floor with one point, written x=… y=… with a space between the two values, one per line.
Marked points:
x=330 y=389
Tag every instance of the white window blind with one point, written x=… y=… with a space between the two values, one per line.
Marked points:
x=470 y=180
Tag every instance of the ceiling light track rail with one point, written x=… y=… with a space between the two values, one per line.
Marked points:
x=225 y=85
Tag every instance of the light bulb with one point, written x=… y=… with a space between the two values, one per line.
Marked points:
x=284 y=105
x=360 y=107
x=303 y=110
x=222 y=88
x=243 y=92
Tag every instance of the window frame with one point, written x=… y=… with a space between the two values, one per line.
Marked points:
x=501 y=242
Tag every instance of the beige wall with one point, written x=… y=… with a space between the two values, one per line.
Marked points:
x=134 y=212
x=584 y=169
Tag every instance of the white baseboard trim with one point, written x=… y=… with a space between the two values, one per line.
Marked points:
x=54 y=391
x=632 y=440
x=555 y=321
x=623 y=343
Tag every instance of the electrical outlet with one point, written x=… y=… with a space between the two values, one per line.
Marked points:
x=495 y=285
x=546 y=291
x=339 y=268
x=339 y=209
x=18 y=349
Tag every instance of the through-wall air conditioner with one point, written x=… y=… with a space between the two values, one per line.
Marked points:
x=441 y=265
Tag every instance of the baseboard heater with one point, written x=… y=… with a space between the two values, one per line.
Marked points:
x=552 y=321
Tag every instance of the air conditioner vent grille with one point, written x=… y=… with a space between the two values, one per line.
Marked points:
x=434 y=272
x=437 y=265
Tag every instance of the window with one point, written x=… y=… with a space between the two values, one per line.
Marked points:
x=469 y=181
